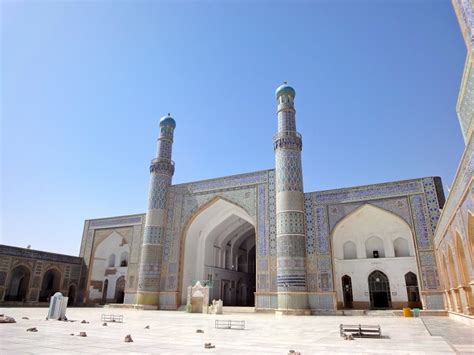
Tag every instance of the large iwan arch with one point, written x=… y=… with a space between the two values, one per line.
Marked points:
x=378 y=234
x=219 y=245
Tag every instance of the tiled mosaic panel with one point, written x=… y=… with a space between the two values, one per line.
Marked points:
x=266 y=301
x=153 y=235
x=310 y=227
x=397 y=206
x=291 y=245
x=370 y=192
x=228 y=182
x=430 y=278
x=290 y=223
x=286 y=121
x=288 y=170
x=466 y=108
x=321 y=231
x=434 y=302
x=271 y=213
x=183 y=203
x=165 y=148
x=321 y=302
x=427 y=258
x=157 y=195
x=432 y=202
x=422 y=225
x=262 y=282
x=262 y=236
x=243 y=197
x=459 y=186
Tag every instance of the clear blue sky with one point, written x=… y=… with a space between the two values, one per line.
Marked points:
x=83 y=85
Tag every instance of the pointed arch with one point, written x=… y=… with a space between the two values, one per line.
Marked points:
x=206 y=240
x=18 y=285
x=461 y=259
x=470 y=233
x=365 y=222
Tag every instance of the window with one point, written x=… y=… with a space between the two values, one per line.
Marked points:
x=374 y=247
x=112 y=260
x=124 y=259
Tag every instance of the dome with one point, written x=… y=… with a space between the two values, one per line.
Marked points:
x=167 y=121
x=285 y=89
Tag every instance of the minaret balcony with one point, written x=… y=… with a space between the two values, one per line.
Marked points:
x=288 y=139
x=162 y=166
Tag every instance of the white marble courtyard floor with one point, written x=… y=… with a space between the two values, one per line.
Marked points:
x=175 y=332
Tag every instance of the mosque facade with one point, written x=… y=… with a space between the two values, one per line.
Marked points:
x=258 y=239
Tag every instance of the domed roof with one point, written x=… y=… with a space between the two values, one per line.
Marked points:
x=285 y=89
x=167 y=121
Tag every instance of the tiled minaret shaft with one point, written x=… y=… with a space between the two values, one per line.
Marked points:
x=290 y=215
x=161 y=173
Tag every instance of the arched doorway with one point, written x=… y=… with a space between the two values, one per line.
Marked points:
x=18 y=286
x=104 y=291
x=50 y=284
x=71 y=294
x=413 y=293
x=219 y=249
x=347 y=291
x=120 y=290
x=379 y=290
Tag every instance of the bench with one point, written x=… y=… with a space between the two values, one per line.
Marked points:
x=230 y=324
x=112 y=318
x=360 y=330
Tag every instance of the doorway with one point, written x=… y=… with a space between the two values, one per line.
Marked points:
x=347 y=291
x=379 y=290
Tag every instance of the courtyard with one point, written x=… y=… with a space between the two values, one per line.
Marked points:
x=175 y=332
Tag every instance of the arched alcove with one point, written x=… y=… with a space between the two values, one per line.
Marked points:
x=461 y=260
x=401 y=248
x=111 y=262
x=371 y=232
x=124 y=259
x=18 y=286
x=452 y=269
x=374 y=247
x=350 y=250
x=372 y=227
x=215 y=241
x=50 y=284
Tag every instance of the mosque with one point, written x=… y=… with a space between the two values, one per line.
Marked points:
x=259 y=240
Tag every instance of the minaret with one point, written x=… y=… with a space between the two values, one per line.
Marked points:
x=161 y=173
x=290 y=215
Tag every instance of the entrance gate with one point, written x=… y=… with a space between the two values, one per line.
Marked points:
x=379 y=289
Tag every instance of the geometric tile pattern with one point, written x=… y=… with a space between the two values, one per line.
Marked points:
x=158 y=186
x=271 y=213
x=290 y=223
x=432 y=201
x=153 y=235
x=364 y=193
x=286 y=121
x=422 y=225
x=288 y=170
x=321 y=230
x=262 y=235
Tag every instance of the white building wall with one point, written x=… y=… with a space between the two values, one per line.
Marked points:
x=363 y=227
